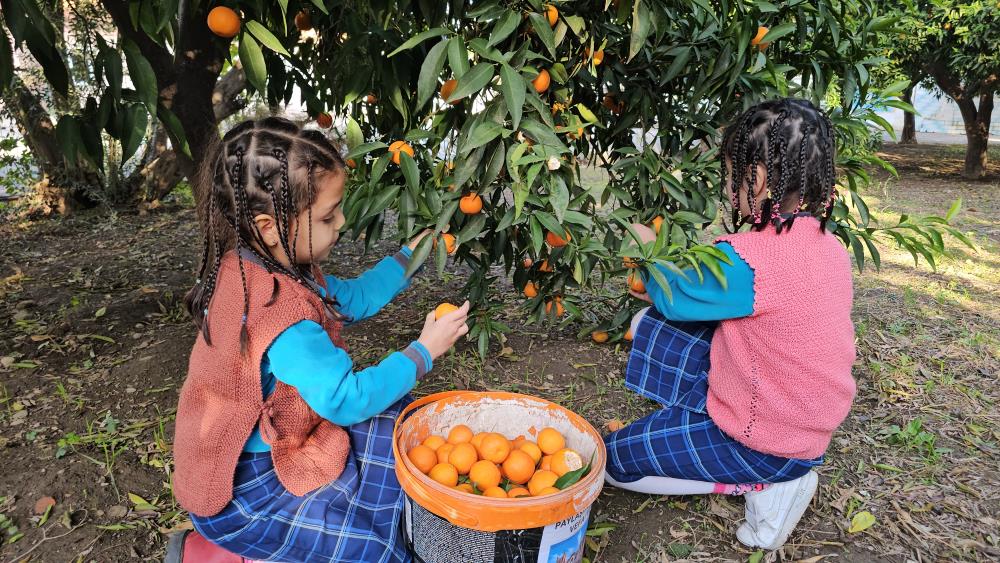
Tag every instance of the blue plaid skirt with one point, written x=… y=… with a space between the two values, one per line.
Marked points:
x=355 y=518
x=669 y=364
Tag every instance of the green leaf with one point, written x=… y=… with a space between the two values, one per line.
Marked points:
x=355 y=137
x=544 y=32
x=266 y=37
x=483 y=133
x=419 y=256
x=322 y=8
x=458 y=56
x=140 y=503
x=641 y=27
x=777 y=32
x=953 y=210
x=427 y=82
x=142 y=75
x=410 y=171
x=365 y=148
x=48 y=57
x=512 y=87
x=757 y=556
x=420 y=38
x=113 y=70
x=134 y=119
x=471 y=229
x=176 y=128
x=573 y=477
x=473 y=81
x=507 y=24
x=861 y=522
x=253 y=63
x=68 y=135
x=585 y=113
x=6 y=63
x=520 y=196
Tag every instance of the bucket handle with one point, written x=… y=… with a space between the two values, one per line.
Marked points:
x=426 y=500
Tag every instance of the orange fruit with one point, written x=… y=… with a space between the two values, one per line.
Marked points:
x=434 y=442
x=559 y=307
x=477 y=440
x=518 y=492
x=324 y=120
x=657 y=223
x=485 y=474
x=532 y=450
x=612 y=104
x=494 y=448
x=449 y=243
x=577 y=135
x=635 y=283
x=224 y=22
x=564 y=461
x=303 y=21
x=516 y=443
x=550 y=441
x=614 y=425
x=445 y=474
x=462 y=456
x=466 y=488
x=545 y=266
x=460 y=434
x=351 y=163
x=599 y=57
x=542 y=81
x=556 y=241
x=446 y=90
x=423 y=457
x=518 y=467
x=628 y=335
x=599 y=336
x=630 y=262
x=541 y=480
x=471 y=204
x=528 y=262
x=547 y=491
x=551 y=14
x=443 y=309
x=530 y=290
x=397 y=147
x=371 y=99
x=761 y=32
x=495 y=492
x=443 y=452
x=545 y=463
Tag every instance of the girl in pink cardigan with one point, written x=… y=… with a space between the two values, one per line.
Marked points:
x=754 y=374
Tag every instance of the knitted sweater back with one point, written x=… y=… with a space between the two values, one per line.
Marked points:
x=221 y=399
x=780 y=379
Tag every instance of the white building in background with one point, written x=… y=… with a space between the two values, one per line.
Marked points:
x=937 y=113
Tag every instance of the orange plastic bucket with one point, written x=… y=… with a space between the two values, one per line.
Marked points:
x=510 y=414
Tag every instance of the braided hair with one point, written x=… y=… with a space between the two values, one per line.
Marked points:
x=793 y=141
x=267 y=166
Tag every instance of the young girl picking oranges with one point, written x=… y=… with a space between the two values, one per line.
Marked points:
x=754 y=375
x=283 y=451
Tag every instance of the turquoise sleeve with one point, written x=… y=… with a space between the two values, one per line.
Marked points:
x=366 y=295
x=304 y=357
x=692 y=299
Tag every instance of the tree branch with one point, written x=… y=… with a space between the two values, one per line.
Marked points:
x=225 y=97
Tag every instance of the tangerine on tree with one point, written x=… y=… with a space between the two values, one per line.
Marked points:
x=371 y=99
x=598 y=57
x=530 y=290
x=542 y=81
x=657 y=223
x=303 y=21
x=422 y=457
x=756 y=41
x=324 y=120
x=224 y=22
x=471 y=204
x=551 y=14
x=399 y=146
x=545 y=266
x=484 y=474
x=446 y=90
x=558 y=306
x=556 y=241
x=351 y=163
x=449 y=243
x=635 y=282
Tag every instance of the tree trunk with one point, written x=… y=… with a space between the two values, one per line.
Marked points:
x=61 y=187
x=909 y=136
x=977 y=133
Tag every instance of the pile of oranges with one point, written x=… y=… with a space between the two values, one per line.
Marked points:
x=491 y=465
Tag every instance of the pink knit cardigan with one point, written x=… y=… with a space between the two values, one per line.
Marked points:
x=780 y=381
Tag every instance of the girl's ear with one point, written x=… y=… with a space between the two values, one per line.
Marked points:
x=761 y=182
x=268 y=229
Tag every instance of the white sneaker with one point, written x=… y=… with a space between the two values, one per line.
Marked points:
x=773 y=513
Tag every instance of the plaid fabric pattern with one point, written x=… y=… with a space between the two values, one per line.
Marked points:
x=669 y=364
x=355 y=518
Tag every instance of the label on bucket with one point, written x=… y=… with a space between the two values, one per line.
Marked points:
x=562 y=542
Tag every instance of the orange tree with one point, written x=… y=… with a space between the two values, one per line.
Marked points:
x=477 y=119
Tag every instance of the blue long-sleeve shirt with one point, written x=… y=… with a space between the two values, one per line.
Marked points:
x=705 y=300
x=323 y=374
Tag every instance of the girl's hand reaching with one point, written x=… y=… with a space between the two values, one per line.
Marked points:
x=438 y=336
x=416 y=240
x=645 y=233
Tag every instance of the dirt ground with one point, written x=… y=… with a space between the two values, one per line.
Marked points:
x=94 y=344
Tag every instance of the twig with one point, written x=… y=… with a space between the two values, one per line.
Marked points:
x=46 y=537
